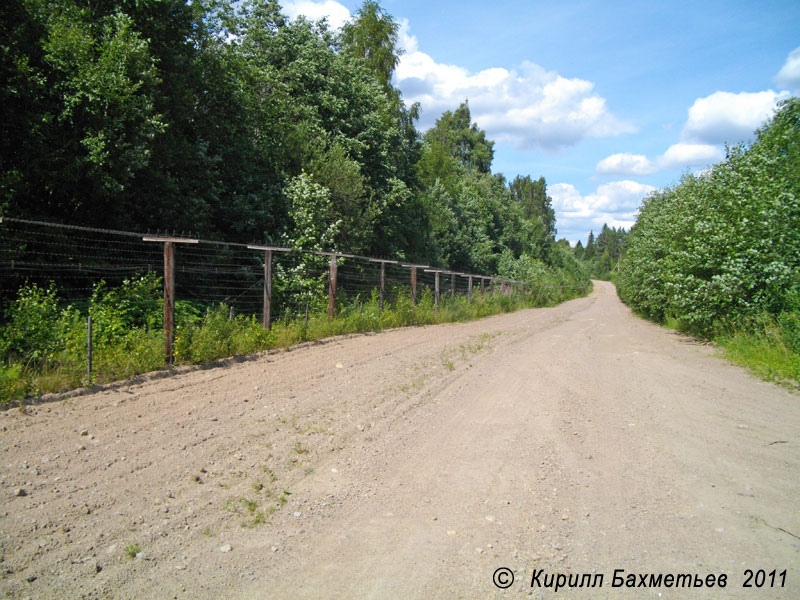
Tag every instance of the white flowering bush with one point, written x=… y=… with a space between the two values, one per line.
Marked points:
x=314 y=228
x=723 y=245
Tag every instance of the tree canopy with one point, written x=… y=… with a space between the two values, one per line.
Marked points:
x=222 y=118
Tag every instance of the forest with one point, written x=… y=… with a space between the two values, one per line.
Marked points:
x=602 y=254
x=225 y=120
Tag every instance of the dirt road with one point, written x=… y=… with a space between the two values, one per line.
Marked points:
x=413 y=464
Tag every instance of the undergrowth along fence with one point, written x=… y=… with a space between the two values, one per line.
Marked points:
x=263 y=282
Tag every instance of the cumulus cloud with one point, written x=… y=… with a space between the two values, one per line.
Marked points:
x=626 y=164
x=337 y=14
x=677 y=156
x=724 y=117
x=789 y=75
x=614 y=203
x=406 y=41
x=689 y=155
x=526 y=107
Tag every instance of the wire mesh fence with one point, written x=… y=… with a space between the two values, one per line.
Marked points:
x=212 y=273
x=80 y=305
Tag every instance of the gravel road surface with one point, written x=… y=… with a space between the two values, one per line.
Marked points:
x=561 y=444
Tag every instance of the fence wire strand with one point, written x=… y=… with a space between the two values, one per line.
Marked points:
x=207 y=272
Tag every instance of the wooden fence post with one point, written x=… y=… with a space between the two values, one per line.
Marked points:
x=436 y=294
x=383 y=284
x=169 y=290
x=414 y=285
x=469 y=289
x=89 y=350
x=169 y=301
x=382 y=297
x=267 y=318
x=332 y=287
x=452 y=285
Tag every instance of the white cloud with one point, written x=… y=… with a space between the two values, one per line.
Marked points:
x=526 y=107
x=789 y=75
x=337 y=14
x=677 y=156
x=406 y=41
x=626 y=164
x=689 y=155
x=724 y=117
x=614 y=203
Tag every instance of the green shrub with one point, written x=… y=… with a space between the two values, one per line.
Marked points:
x=217 y=336
x=722 y=244
x=32 y=327
x=136 y=304
x=12 y=382
x=717 y=254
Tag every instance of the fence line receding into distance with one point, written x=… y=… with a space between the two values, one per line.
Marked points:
x=266 y=281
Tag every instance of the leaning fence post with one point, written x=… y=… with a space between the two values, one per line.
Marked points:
x=332 y=287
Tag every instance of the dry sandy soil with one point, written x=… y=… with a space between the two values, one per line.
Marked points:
x=412 y=464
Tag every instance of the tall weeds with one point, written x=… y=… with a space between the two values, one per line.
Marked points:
x=44 y=342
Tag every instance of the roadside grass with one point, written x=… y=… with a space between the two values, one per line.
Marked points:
x=44 y=347
x=769 y=346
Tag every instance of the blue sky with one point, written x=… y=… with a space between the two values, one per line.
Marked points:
x=607 y=100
